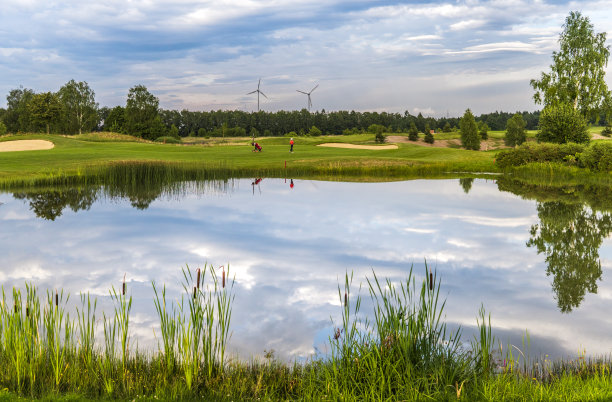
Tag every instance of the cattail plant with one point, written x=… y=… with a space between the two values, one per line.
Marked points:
x=123 y=306
x=57 y=321
x=168 y=327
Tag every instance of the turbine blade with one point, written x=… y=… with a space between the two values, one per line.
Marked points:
x=314 y=88
x=305 y=93
x=259 y=83
x=252 y=92
x=263 y=94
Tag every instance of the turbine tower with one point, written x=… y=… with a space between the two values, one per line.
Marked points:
x=258 y=92
x=308 y=93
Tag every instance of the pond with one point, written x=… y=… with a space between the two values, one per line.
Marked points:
x=537 y=263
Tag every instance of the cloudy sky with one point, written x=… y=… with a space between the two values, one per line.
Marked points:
x=435 y=57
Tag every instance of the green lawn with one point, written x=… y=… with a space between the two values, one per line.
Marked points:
x=72 y=154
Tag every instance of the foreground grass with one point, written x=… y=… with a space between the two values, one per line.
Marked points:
x=404 y=353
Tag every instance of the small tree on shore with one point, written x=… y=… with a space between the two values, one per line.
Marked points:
x=429 y=138
x=483 y=130
x=515 y=131
x=469 y=131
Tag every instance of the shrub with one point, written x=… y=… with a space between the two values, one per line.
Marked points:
x=314 y=131
x=515 y=131
x=545 y=152
x=447 y=128
x=202 y=132
x=607 y=131
x=561 y=124
x=168 y=140
x=2 y=128
x=483 y=130
x=469 y=131
x=291 y=134
x=597 y=157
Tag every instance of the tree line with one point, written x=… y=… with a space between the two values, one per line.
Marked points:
x=74 y=110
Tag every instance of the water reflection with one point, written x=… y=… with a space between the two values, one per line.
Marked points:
x=466 y=184
x=570 y=236
x=289 y=245
x=573 y=225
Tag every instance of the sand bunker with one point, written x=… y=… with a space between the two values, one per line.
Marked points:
x=353 y=146
x=25 y=145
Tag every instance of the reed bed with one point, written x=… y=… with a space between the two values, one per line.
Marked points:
x=402 y=350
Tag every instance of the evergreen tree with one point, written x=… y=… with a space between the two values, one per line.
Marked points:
x=413 y=132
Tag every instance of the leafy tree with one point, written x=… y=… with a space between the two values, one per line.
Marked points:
x=578 y=70
x=17 y=116
x=115 y=121
x=570 y=236
x=483 y=130
x=44 y=108
x=79 y=105
x=50 y=204
x=2 y=128
x=413 y=132
x=562 y=123
x=447 y=128
x=515 y=131
x=141 y=113
x=429 y=138
x=201 y=132
x=254 y=132
x=469 y=131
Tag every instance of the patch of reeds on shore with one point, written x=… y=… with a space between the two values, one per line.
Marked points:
x=404 y=352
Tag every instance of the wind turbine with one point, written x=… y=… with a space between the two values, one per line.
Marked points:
x=258 y=92
x=308 y=93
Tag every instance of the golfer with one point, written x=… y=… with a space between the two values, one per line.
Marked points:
x=291 y=144
x=257 y=147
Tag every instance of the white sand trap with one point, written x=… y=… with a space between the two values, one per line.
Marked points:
x=25 y=145
x=354 y=146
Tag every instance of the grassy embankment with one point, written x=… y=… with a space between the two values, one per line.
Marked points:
x=403 y=353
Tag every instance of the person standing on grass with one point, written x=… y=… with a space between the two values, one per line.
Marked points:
x=291 y=144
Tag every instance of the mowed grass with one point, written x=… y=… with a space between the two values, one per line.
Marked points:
x=73 y=154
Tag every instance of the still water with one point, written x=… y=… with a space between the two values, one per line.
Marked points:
x=541 y=266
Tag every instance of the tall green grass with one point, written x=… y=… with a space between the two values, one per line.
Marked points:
x=401 y=350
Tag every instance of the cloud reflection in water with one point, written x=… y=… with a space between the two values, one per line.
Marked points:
x=289 y=248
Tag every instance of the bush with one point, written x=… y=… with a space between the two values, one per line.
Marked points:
x=607 y=131
x=168 y=140
x=314 y=131
x=202 y=132
x=447 y=128
x=530 y=152
x=483 y=130
x=597 y=157
x=2 y=128
x=429 y=138
x=291 y=134
x=469 y=131
x=561 y=124
x=515 y=131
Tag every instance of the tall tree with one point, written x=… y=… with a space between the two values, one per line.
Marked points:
x=79 y=105
x=469 y=131
x=515 y=131
x=44 y=108
x=578 y=70
x=17 y=116
x=142 y=114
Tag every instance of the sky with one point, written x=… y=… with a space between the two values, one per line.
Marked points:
x=433 y=57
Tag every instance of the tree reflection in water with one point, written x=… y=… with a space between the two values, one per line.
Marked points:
x=570 y=236
x=50 y=204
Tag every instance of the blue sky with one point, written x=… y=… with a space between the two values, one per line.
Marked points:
x=435 y=57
